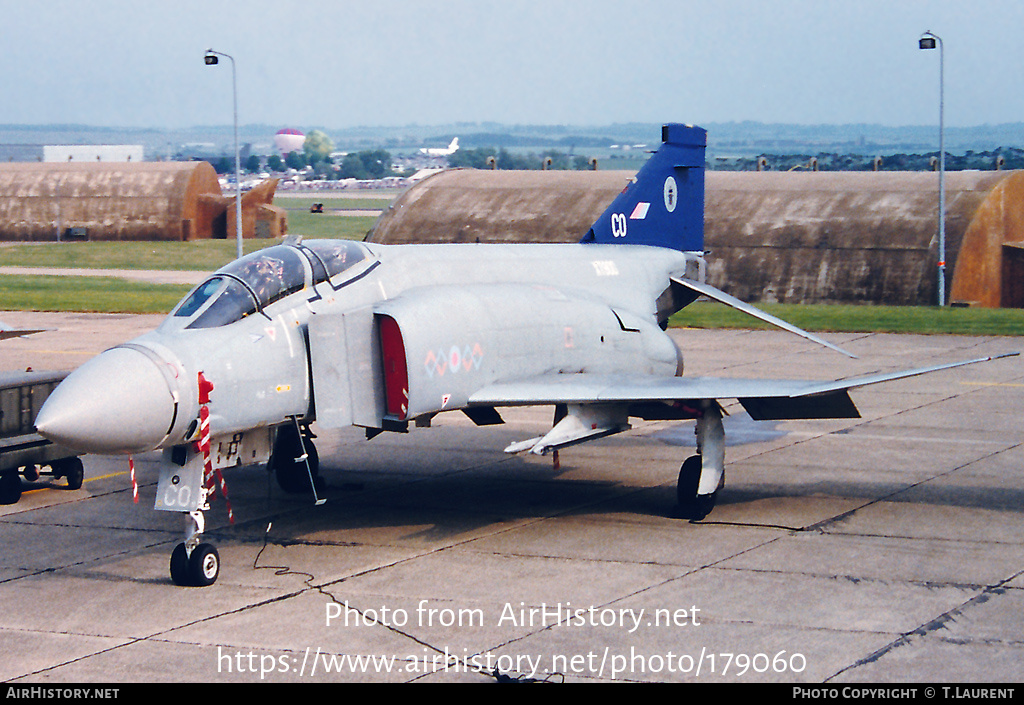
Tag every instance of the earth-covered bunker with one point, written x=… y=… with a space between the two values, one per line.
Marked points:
x=125 y=201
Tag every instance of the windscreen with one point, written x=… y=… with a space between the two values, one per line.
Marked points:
x=228 y=296
x=198 y=297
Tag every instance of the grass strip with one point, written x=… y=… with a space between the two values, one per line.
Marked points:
x=198 y=255
x=920 y=320
x=298 y=203
x=321 y=226
x=87 y=294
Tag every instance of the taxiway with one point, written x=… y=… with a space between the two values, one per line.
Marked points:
x=883 y=549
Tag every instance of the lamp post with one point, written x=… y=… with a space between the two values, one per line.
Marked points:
x=929 y=40
x=210 y=59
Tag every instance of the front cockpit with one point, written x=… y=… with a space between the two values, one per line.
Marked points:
x=252 y=283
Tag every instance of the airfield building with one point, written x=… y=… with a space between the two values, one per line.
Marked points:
x=93 y=153
x=72 y=153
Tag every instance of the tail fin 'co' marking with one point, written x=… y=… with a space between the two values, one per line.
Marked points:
x=664 y=205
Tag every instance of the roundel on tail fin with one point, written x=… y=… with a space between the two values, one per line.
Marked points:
x=671 y=194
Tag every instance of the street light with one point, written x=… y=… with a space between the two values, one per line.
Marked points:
x=210 y=59
x=929 y=40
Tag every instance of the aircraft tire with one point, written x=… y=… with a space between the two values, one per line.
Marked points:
x=204 y=565
x=10 y=488
x=70 y=468
x=693 y=506
x=292 y=475
x=179 y=566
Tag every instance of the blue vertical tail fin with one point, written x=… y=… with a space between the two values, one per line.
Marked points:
x=664 y=205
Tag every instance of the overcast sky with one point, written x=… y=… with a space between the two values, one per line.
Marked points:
x=340 y=63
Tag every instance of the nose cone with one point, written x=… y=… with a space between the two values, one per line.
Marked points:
x=118 y=402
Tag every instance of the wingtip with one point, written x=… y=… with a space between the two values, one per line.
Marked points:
x=847 y=353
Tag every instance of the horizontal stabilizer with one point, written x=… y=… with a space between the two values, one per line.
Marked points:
x=722 y=297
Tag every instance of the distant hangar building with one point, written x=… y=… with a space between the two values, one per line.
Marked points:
x=72 y=153
x=93 y=153
x=97 y=200
x=789 y=237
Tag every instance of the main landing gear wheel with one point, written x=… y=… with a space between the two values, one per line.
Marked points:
x=289 y=465
x=200 y=569
x=694 y=506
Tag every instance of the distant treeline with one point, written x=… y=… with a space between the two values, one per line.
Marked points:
x=368 y=164
x=494 y=140
x=1003 y=158
x=375 y=164
x=503 y=159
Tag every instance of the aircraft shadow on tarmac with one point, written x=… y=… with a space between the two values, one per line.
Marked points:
x=435 y=494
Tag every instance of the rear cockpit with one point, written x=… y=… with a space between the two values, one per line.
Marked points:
x=330 y=258
x=252 y=283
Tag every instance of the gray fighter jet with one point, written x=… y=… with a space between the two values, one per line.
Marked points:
x=349 y=333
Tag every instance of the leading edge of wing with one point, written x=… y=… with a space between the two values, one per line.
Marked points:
x=890 y=376
x=587 y=388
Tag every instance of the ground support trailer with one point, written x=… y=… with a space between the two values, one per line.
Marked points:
x=23 y=452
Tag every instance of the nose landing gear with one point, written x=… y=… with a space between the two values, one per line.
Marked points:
x=194 y=563
x=181 y=488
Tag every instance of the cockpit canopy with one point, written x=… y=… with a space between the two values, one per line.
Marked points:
x=332 y=257
x=250 y=284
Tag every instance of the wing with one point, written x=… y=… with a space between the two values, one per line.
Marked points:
x=764 y=399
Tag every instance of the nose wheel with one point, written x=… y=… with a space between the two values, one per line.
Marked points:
x=194 y=563
x=198 y=568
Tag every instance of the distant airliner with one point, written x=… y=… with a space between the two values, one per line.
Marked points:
x=452 y=148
